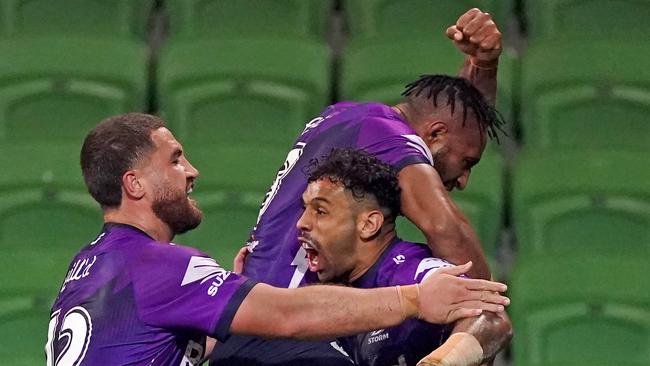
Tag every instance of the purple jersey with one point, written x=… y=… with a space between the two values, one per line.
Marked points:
x=276 y=256
x=130 y=300
x=402 y=263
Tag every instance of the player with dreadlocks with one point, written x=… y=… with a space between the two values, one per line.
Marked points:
x=432 y=138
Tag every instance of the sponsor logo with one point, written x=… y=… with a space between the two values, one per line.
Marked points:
x=431 y=264
x=378 y=336
x=205 y=269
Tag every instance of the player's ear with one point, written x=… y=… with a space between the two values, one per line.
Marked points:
x=371 y=224
x=132 y=184
x=436 y=131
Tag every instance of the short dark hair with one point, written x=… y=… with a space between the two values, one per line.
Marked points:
x=114 y=146
x=456 y=89
x=362 y=174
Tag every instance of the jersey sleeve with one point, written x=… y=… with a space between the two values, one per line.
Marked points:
x=178 y=287
x=428 y=266
x=413 y=266
x=394 y=143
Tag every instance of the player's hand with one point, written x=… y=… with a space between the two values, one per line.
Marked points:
x=445 y=297
x=476 y=35
x=238 y=262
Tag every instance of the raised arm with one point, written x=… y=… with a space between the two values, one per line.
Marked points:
x=324 y=312
x=426 y=203
x=477 y=36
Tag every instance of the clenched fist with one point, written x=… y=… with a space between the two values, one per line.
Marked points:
x=476 y=35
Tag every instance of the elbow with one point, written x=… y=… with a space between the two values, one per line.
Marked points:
x=500 y=326
x=504 y=326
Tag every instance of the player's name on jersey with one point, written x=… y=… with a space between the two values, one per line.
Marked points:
x=80 y=269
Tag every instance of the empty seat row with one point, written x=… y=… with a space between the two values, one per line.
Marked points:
x=309 y=18
x=584 y=310
x=55 y=88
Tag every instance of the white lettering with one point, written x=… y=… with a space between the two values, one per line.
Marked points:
x=378 y=338
x=80 y=269
x=86 y=271
x=217 y=282
x=312 y=124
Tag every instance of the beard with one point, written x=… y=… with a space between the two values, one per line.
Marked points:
x=176 y=210
x=439 y=158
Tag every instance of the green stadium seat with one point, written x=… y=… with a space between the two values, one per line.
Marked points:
x=41 y=229
x=228 y=218
x=56 y=89
x=587 y=310
x=41 y=163
x=586 y=94
x=593 y=18
x=236 y=167
x=379 y=70
x=581 y=201
x=373 y=19
x=212 y=91
x=482 y=203
x=24 y=334
x=197 y=19
x=96 y=18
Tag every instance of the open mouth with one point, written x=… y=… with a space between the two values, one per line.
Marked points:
x=312 y=254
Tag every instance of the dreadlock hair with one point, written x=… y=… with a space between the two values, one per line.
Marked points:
x=361 y=173
x=429 y=87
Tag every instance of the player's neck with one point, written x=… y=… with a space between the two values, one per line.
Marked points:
x=147 y=222
x=371 y=253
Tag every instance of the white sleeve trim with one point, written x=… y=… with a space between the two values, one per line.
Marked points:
x=416 y=142
x=431 y=264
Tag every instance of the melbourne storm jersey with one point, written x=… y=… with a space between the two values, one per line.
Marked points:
x=276 y=256
x=402 y=263
x=130 y=300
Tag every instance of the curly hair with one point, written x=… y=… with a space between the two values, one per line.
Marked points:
x=362 y=174
x=426 y=89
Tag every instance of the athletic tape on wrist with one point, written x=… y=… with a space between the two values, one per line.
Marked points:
x=460 y=349
x=409 y=300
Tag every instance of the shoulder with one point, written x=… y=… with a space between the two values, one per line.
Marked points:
x=409 y=263
x=383 y=133
x=169 y=260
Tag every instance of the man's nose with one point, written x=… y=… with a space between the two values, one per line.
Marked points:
x=462 y=181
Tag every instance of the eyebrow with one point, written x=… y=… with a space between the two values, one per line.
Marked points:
x=321 y=199
x=177 y=153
